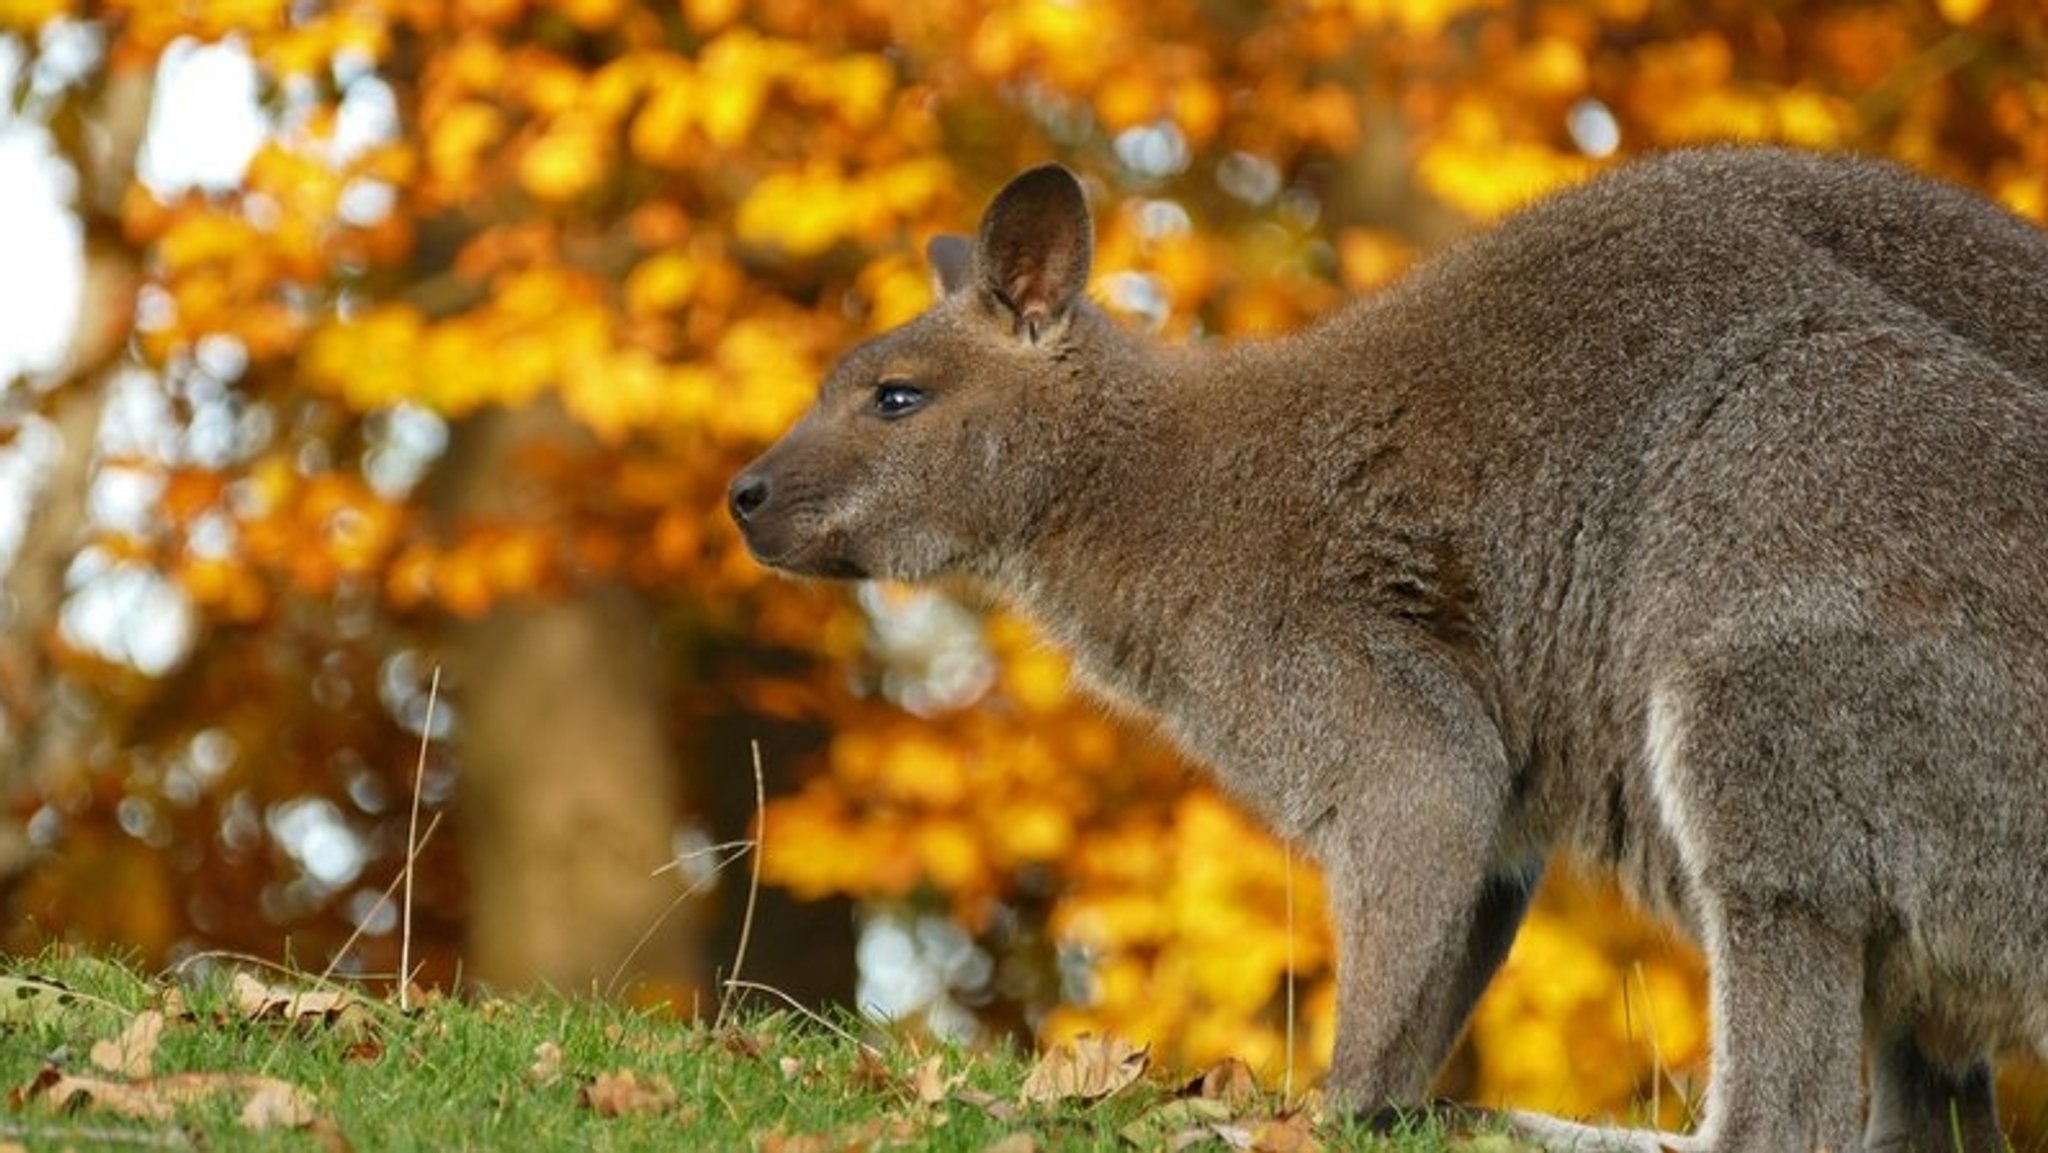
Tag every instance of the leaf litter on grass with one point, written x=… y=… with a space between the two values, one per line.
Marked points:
x=127 y=1086
x=262 y=1055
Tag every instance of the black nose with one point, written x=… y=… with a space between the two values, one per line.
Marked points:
x=747 y=495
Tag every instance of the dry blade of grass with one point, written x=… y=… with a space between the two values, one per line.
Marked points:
x=412 y=828
x=739 y=958
x=1287 y=1074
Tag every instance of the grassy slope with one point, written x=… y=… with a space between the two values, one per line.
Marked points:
x=457 y=1075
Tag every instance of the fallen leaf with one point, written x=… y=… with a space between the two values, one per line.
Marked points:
x=367 y=1051
x=1230 y=1081
x=1292 y=1133
x=624 y=1093
x=1088 y=1068
x=1000 y=1108
x=275 y=1104
x=929 y=1083
x=32 y=1002
x=133 y=1053
x=1178 y=1124
x=741 y=1043
x=1019 y=1142
x=547 y=1064
x=62 y=1093
x=271 y=1103
x=872 y=1074
x=258 y=1001
x=791 y=1067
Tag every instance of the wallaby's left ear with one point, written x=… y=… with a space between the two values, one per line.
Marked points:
x=1035 y=246
x=952 y=259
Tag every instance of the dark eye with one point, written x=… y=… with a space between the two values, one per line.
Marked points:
x=897 y=398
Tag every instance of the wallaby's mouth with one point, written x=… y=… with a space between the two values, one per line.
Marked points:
x=796 y=562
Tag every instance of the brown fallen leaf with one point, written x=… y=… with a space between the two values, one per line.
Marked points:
x=133 y=1053
x=1019 y=1142
x=62 y=1093
x=623 y=1093
x=366 y=1051
x=871 y=1074
x=741 y=1043
x=270 y=1103
x=1000 y=1108
x=1230 y=1081
x=1088 y=1068
x=258 y=1001
x=929 y=1082
x=547 y=1064
x=275 y=1104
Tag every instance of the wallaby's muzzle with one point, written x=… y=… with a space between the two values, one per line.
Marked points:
x=778 y=532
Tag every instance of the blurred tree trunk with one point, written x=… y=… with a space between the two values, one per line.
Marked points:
x=42 y=731
x=570 y=796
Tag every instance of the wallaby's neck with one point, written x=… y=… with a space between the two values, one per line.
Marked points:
x=1190 y=494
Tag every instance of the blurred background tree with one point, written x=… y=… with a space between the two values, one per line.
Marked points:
x=446 y=366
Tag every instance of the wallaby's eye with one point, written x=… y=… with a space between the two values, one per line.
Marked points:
x=894 y=398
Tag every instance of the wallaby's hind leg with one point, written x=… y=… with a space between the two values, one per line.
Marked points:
x=1919 y=1107
x=1788 y=1044
x=1774 y=899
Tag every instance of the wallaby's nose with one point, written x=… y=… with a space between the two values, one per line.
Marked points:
x=748 y=493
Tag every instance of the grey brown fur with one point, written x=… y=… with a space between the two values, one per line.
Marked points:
x=1694 y=522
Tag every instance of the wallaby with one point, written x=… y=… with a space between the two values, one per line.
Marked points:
x=1693 y=521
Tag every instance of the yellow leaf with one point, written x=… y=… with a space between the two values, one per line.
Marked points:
x=566 y=162
x=30 y=15
x=458 y=139
x=711 y=15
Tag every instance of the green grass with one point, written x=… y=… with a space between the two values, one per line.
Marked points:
x=460 y=1075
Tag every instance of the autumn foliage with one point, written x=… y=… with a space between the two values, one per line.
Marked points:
x=640 y=232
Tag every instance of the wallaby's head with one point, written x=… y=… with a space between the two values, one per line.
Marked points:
x=928 y=450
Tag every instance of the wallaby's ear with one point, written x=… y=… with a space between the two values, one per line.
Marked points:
x=1035 y=246
x=952 y=260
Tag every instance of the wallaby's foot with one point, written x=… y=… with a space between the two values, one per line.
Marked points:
x=1560 y=1136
